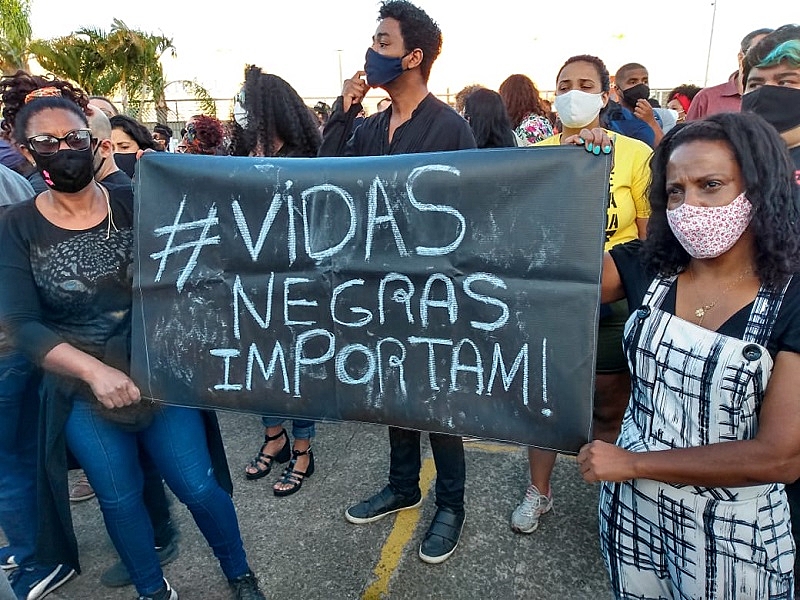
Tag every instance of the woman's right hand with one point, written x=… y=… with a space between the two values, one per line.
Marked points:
x=113 y=388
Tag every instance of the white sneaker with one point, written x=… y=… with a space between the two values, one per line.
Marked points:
x=525 y=518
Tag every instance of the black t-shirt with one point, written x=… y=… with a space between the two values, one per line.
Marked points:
x=636 y=279
x=117 y=179
x=61 y=285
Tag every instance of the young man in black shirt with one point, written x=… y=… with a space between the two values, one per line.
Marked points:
x=404 y=47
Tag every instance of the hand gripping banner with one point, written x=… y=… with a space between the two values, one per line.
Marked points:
x=454 y=292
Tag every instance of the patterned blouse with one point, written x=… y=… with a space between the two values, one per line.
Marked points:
x=534 y=128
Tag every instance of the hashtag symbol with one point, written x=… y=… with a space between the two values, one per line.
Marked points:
x=196 y=245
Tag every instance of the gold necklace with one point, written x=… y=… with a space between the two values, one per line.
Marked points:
x=700 y=311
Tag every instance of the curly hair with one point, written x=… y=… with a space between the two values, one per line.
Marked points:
x=521 y=98
x=14 y=88
x=275 y=111
x=204 y=135
x=687 y=89
x=418 y=31
x=135 y=130
x=34 y=107
x=768 y=175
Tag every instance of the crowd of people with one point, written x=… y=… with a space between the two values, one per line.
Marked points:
x=699 y=330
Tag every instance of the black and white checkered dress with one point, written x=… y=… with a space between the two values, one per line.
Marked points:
x=693 y=387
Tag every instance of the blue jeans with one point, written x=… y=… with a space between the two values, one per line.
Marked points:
x=177 y=444
x=19 y=413
x=301 y=430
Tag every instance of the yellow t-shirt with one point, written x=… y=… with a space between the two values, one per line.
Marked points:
x=627 y=198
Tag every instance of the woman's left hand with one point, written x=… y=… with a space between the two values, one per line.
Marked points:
x=594 y=140
x=601 y=461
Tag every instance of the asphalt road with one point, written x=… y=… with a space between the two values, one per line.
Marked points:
x=302 y=547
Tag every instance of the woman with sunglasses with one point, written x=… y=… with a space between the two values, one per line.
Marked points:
x=65 y=275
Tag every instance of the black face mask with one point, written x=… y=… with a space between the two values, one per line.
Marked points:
x=67 y=171
x=126 y=162
x=777 y=104
x=382 y=69
x=637 y=92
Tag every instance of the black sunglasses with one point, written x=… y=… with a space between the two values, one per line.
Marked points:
x=47 y=145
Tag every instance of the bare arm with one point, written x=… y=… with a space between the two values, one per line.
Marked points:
x=611 y=288
x=641 y=227
x=112 y=387
x=772 y=456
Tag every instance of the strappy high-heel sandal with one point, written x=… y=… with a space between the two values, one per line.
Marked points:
x=263 y=461
x=292 y=477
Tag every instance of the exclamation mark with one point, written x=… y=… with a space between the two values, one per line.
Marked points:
x=546 y=410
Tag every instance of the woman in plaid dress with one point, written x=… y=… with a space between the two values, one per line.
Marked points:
x=692 y=503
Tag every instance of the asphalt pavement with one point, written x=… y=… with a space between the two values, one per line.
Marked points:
x=302 y=547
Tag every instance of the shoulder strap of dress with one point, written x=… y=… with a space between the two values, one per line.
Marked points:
x=658 y=290
x=765 y=310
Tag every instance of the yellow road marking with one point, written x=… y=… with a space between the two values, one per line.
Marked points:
x=491 y=447
x=404 y=526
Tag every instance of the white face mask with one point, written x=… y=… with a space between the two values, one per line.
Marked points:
x=577 y=109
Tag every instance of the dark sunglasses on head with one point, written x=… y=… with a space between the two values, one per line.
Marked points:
x=46 y=144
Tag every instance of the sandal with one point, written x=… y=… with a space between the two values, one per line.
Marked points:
x=263 y=461
x=293 y=477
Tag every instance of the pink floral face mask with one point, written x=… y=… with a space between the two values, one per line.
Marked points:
x=709 y=231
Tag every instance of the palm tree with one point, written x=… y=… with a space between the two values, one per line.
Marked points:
x=78 y=57
x=124 y=62
x=15 y=35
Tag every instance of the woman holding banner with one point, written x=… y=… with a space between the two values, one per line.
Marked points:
x=582 y=88
x=66 y=281
x=689 y=507
x=271 y=119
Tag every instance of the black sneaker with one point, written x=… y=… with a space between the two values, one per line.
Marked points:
x=165 y=593
x=245 y=587
x=381 y=504
x=32 y=583
x=442 y=537
x=117 y=575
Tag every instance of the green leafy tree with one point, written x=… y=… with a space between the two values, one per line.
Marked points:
x=122 y=61
x=15 y=35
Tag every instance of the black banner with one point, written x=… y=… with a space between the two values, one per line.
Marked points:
x=454 y=292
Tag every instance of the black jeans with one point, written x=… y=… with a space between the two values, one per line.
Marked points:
x=405 y=463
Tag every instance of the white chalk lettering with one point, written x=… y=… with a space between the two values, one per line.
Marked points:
x=456 y=365
x=546 y=411
x=497 y=282
x=287 y=283
x=301 y=360
x=351 y=232
x=394 y=361
x=197 y=245
x=341 y=366
x=431 y=357
x=227 y=354
x=266 y=225
x=277 y=358
x=238 y=292
x=462 y=229
x=508 y=376
x=373 y=221
x=449 y=303
x=356 y=310
x=400 y=296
